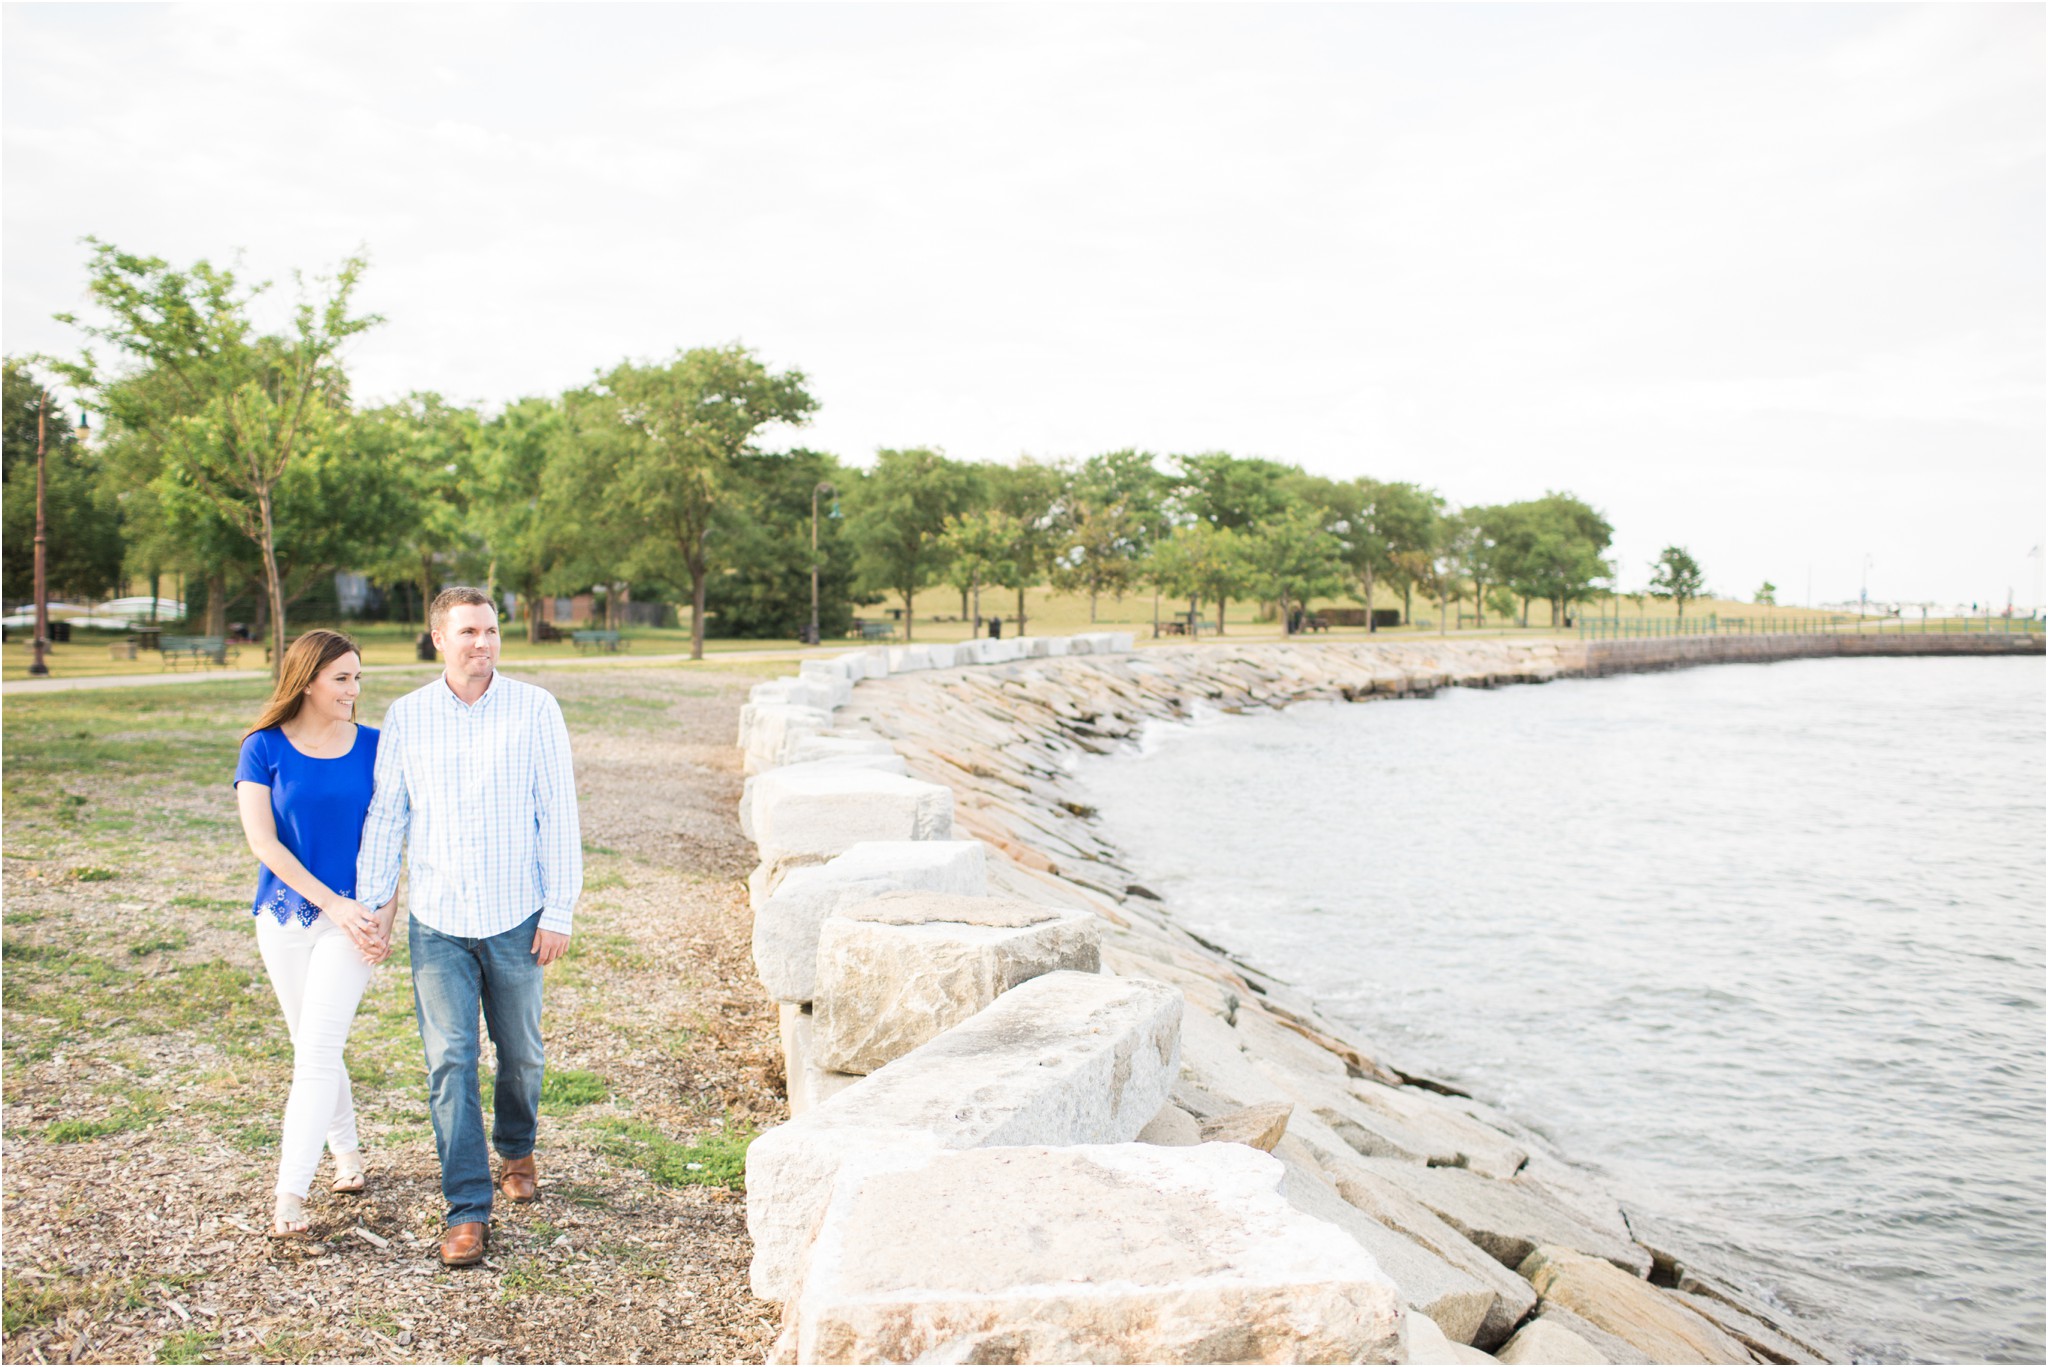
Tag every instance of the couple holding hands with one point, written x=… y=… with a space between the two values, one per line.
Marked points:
x=471 y=774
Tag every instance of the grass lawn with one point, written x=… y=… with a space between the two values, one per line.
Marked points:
x=146 y=1064
x=938 y=620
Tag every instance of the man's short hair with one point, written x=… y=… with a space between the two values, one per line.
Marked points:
x=459 y=596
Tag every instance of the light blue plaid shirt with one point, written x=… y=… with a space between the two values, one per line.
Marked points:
x=485 y=796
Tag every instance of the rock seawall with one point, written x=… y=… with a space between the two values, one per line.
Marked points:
x=925 y=861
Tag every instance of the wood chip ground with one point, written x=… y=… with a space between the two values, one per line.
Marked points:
x=146 y=1065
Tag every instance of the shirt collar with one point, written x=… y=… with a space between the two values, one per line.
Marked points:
x=490 y=691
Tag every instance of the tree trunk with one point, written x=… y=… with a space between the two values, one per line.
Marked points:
x=977 y=609
x=963 y=600
x=1478 y=604
x=1094 y=589
x=216 y=605
x=1408 y=605
x=1443 y=615
x=1221 y=604
x=909 y=616
x=697 y=581
x=273 y=585
x=152 y=596
x=530 y=604
x=1020 y=610
x=1370 y=625
x=426 y=585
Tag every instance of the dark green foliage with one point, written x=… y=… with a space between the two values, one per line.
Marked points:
x=84 y=546
x=765 y=540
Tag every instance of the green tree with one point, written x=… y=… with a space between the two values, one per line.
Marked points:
x=1234 y=493
x=1112 y=513
x=1200 y=562
x=433 y=449
x=228 y=411
x=979 y=548
x=764 y=591
x=83 y=548
x=896 y=519
x=1291 y=559
x=1767 y=594
x=1677 y=577
x=660 y=446
x=1553 y=549
x=1031 y=498
x=528 y=535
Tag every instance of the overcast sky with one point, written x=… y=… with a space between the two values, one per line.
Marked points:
x=1762 y=280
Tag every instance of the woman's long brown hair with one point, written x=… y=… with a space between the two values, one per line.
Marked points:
x=303 y=661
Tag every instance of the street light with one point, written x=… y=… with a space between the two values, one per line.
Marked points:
x=824 y=487
x=36 y=666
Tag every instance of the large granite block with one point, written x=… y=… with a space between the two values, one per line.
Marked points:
x=767 y=729
x=1086 y=1254
x=787 y=921
x=1506 y=1220
x=828 y=810
x=1658 y=1326
x=883 y=761
x=898 y=969
x=1067 y=1058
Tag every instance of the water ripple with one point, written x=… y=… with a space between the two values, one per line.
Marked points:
x=1764 y=946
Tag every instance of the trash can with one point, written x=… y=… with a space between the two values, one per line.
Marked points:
x=425 y=647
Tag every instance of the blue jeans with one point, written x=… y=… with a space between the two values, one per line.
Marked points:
x=452 y=976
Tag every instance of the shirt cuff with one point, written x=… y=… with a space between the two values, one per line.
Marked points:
x=556 y=920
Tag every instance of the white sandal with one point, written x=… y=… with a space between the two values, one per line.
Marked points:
x=348 y=1173
x=288 y=1221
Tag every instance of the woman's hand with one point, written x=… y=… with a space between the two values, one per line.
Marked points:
x=357 y=922
x=381 y=933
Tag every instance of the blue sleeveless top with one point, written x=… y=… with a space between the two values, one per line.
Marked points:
x=318 y=805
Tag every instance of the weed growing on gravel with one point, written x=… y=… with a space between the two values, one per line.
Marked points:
x=190 y=1346
x=717 y=1159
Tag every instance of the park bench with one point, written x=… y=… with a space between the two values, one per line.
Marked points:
x=1314 y=623
x=1179 y=627
x=597 y=640
x=198 y=649
x=877 y=631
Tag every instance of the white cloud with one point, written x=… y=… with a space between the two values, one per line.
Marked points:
x=1687 y=261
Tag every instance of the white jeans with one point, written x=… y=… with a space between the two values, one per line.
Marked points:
x=319 y=975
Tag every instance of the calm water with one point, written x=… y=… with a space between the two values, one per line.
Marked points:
x=1762 y=945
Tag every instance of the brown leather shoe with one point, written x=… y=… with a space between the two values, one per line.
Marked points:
x=516 y=1179
x=463 y=1245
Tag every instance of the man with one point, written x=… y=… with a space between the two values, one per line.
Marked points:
x=473 y=774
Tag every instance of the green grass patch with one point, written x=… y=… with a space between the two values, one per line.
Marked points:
x=165 y=942
x=94 y=874
x=209 y=903
x=138 y=1111
x=565 y=1089
x=190 y=1346
x=533 y=1277
x=717 y=1158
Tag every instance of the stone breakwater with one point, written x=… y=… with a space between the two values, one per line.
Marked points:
x=1034 y=1120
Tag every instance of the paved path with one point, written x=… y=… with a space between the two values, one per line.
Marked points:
x=21 y=686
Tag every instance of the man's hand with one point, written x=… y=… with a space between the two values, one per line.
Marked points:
x=548 y=946
x=379 y=948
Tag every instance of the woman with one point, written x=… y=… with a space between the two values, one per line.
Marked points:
x=303 y=785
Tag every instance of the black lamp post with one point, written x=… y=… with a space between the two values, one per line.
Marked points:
x=36 y=666
x=824 y=487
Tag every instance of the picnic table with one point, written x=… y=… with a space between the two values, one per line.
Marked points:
x=200 y=650
x=587 y=641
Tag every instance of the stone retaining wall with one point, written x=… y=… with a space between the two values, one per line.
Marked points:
x=1166 y=1127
